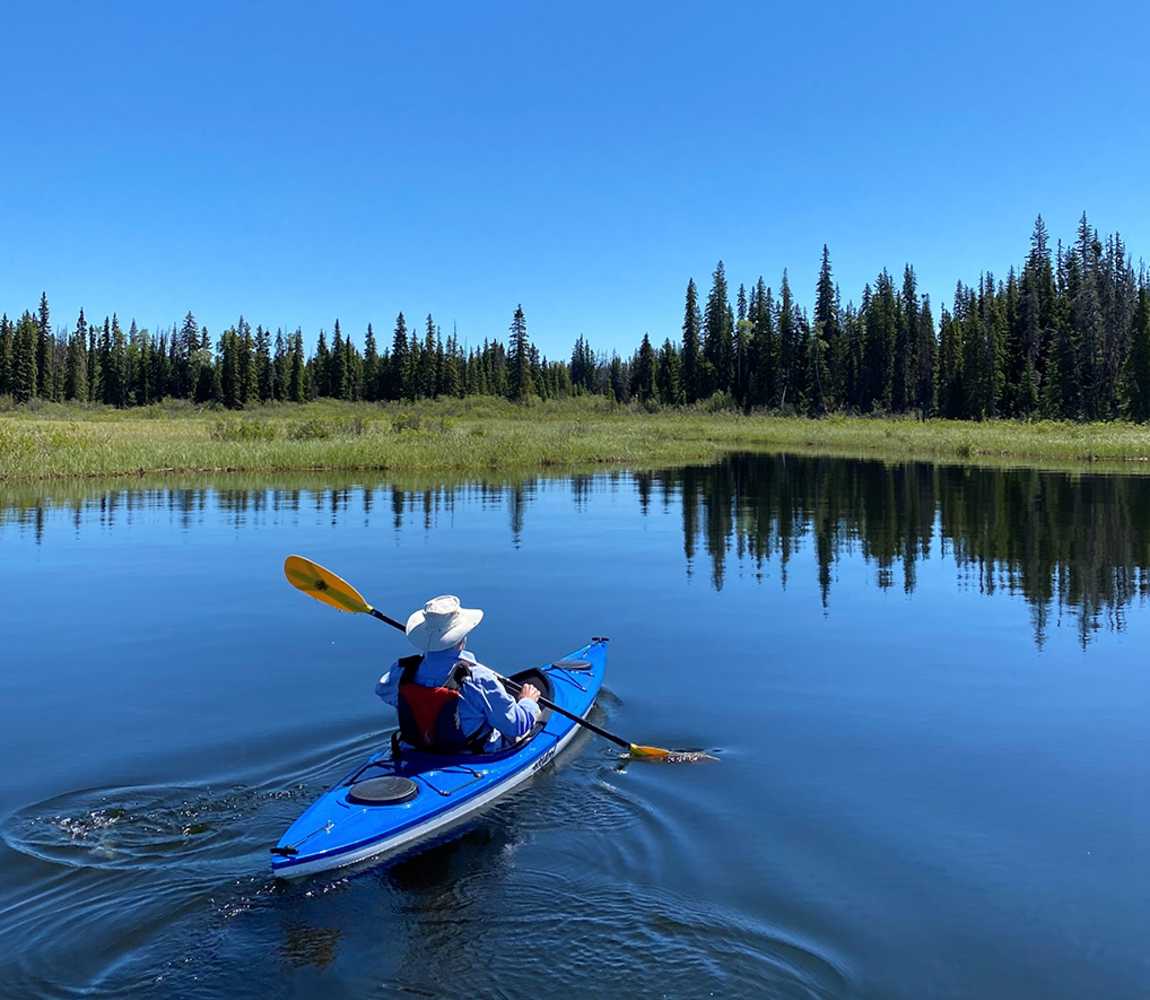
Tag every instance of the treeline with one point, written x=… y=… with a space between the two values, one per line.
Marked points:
x=1066 y=336
x=104 y=364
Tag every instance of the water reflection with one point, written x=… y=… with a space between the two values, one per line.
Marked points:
x=1068 y=543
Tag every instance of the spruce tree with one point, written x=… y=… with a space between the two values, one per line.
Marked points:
x=76 y=375
x=6 y=336
x=265 y=371
x=184 y=356
x=43 y=350
x=397 y=380
x=337 y=382
x=370 y=366
x=94 y=390
x=762 y=350
x=692 y=330
x=827 y=322
x=24 y=377
x=718 y=336
x=668 y=376
x=519 y=358
x=320 y=367
x=428 y=360
x=926 y=362
x=788 y=326
x=643 y=380
x=903 y=390
x=617 y=379
x=297 y=389
x=1138 y=373
x=209 y=377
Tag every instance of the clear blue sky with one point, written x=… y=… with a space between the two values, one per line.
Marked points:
x=298 y=163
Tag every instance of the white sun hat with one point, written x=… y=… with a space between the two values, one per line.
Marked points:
x=441 y=624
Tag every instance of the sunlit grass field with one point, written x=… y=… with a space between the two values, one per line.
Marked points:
x=476 y=435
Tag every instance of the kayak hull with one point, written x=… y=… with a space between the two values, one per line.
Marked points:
x=336 y=831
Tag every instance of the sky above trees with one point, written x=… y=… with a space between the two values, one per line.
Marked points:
x=298 y=164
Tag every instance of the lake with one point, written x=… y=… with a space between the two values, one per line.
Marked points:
x=927 y=687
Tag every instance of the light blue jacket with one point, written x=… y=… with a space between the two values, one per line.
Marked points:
x=484 y=701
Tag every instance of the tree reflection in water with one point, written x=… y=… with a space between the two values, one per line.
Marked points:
x=1067 y=542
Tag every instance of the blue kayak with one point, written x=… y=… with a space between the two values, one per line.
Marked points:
x=400 y=795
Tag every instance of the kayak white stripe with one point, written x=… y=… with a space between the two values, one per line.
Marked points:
x=423 y=829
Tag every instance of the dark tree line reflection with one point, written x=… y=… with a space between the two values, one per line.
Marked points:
x=1070 y=544
x=1066 y=542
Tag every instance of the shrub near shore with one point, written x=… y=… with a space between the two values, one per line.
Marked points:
x=478 y=434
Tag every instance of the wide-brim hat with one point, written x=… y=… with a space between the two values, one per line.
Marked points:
x=441 y=624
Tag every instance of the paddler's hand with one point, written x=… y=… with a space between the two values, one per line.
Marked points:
x=529 y=692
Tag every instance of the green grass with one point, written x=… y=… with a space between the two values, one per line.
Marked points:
x=473 y=436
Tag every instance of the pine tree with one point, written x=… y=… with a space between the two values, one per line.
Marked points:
x=519 y=357
x=762 y=350
x=6 y=337
x=116 y=370
x=370 y=366
x=617 y=379
x=94 y=393
x=265 y=372
x=428 y=359
x=249 y=375
x=321 y=367
x=950 y=359
x=827 y=322
x=717 y=336
x=1138 y=373
x=789 y=385
x=184 y=357
x=297 y=387
x=903 y=390
x=668 y=379
x=397 y=380
x=209 y=375
x=692 y=361
x=76 y=375
x=643 y=376
x=926 y=362
x=24 y=376
x=337 y=386
x=43 y=350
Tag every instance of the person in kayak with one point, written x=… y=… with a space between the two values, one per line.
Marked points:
x=447 y=701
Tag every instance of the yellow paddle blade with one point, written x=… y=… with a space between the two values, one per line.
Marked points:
x=669 y=756
x=323 y=585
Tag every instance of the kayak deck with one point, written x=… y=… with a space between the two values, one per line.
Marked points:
x=342 y=828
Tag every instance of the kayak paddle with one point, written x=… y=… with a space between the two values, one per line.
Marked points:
x=322 y=584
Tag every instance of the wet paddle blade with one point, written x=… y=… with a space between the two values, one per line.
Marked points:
x=323 y=585
x=641 y=752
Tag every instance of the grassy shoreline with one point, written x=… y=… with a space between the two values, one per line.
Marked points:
x=484 y=435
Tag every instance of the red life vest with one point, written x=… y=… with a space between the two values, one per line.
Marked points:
x=429 y=716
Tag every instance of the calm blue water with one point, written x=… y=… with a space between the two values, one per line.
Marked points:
x=928 y=688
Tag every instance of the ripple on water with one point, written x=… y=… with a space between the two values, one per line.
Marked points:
x=133 y=828
x=598 y=935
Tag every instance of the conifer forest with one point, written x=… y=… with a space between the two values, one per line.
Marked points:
x=1065 y=335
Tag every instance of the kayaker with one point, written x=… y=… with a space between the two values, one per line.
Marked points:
x=445 y=698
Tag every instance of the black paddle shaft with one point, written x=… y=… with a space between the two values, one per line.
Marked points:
x=516 y=688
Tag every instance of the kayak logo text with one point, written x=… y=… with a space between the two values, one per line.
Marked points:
x=544 y=760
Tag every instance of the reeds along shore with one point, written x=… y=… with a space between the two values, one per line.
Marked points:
x=461 y=436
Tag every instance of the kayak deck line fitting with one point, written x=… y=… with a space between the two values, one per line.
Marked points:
x=400 y=796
